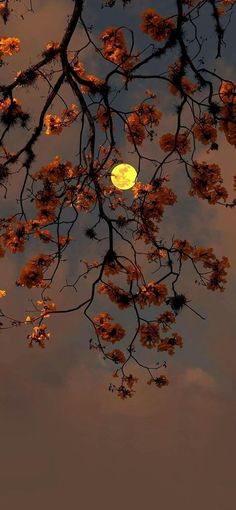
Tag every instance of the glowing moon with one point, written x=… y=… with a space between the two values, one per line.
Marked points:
x=123 y=176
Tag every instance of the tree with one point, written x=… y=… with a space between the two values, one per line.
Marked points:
x=55 y=196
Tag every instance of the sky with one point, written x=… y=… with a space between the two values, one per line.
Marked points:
x=66 y=441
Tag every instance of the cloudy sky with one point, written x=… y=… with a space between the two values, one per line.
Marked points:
x=66 y=441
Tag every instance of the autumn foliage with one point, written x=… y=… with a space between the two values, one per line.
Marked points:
x=54 y=197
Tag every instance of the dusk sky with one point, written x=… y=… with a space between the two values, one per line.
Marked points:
x=66 y=441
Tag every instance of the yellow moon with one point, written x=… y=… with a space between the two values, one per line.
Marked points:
x=123 y=176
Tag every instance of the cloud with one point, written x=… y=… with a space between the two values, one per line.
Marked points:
x=200 y=378
x=60 y=441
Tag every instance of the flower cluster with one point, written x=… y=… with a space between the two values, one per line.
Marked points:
x=117 y=295
x=52 y=49
x=156 y=255
x=152 y=294
x=117 y=356
x=228 y=122
x=55 y=124
x=123 y=392
x=111 y=268
x=106 y=330
x=130 y=380
x=17 y=232
x=149 y=335
x=56 y=171
x=168 y=344
x=217 y=274
x=94 y=83
x=184 y=248
x=227 y=92
x=79 y=68
x=180 y=84
x=179 y=142
x=135 y=131
x=133 y=273
x=115 y=49
x=227 y=95
x=166 y=320
x=46 y=306
x=146 y=231
x=159 y=381
x=126 y=389
x=142 y=116
x=103 y=117
x=46 y=201
x=4 y=104
x=156 y=199
x=12 y=112
x=86 y=198
x=32 y=273
x=158 y=27
x=9 y=45
x=39 y=336
x=206 y=182
x=204 y=129
x=26 y=78
x=224 y=4
x=15 y=236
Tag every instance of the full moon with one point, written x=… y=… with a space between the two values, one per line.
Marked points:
x=123 y=176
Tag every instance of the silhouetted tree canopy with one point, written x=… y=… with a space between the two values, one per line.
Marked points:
x=117 y=113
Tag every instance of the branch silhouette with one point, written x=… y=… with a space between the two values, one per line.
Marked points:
x=53 y=198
